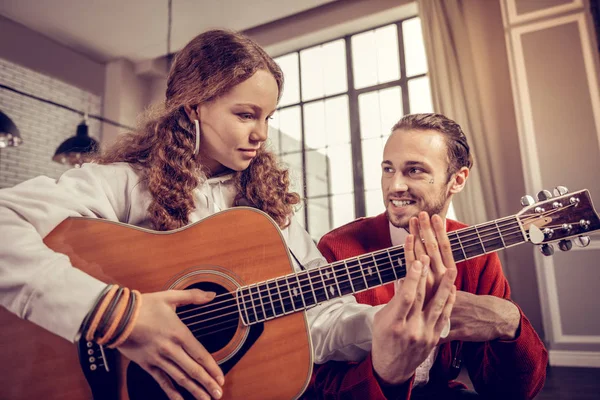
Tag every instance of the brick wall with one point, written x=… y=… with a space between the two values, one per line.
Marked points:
x=43 y=126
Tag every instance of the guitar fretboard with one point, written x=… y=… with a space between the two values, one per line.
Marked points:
x=299 y=291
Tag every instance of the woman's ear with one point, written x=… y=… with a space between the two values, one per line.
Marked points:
x=191 y=112
x=459 y=180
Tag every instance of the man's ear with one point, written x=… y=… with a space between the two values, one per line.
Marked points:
x=191 y=112
x=459 y=179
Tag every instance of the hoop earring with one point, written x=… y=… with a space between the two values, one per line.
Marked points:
x=197 y=148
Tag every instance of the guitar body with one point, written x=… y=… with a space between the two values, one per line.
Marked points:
x=233 y=248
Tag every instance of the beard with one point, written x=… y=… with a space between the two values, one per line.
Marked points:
x=433 y=206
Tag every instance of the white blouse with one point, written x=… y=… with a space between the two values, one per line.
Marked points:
x=42 y=286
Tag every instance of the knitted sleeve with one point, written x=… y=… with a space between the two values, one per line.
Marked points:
x=513 y=369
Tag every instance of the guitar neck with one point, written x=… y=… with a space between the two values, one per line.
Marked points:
x=299 y=291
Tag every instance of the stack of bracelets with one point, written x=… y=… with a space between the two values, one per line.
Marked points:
x=111 y=319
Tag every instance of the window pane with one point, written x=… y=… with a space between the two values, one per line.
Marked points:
x=315 y=136
x=342 y=207
x=316 y=173
x=364 y=59
x=273 y=141
x=368 y=109
x=312 y=73
x=390 y=101
x=372 y=153
x=375 y=56
x=388 y=61
x=379 y=111
x=334 y=67
x=323 y=70
x=374 y=202
x=337 y=120
x=294 y=163
x=318 y=217
x=419 y=95
x=291 y=90
x=414 y=49
x=340 y=169
x=326 y=122
x=451 y=212
x=291 y=129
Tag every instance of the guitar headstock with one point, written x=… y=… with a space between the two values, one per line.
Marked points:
x=559 y=218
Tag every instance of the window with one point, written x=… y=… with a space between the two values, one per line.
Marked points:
x=340 y=101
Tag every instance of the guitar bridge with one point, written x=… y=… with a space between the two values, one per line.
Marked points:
x=99 y=367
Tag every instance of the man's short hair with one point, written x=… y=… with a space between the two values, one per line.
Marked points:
x=459 y=154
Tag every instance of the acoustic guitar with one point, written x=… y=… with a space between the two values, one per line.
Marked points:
x=255 y=327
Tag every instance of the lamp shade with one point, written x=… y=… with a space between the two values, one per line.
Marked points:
x=77 y=149
x=9 y=134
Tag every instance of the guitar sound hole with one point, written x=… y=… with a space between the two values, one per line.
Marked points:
x=213 y=324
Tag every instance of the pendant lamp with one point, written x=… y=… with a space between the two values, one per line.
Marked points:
x=9 y=133
x=77 y=149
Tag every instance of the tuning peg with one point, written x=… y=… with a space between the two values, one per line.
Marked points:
x=582 y=241
x=566 y=228
x=547 y=249
x=527 y=201
x=560 y=190
x=565 y=245
x=544 y=195
x=585 y=224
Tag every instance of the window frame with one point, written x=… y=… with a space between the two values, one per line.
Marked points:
x=354 y=115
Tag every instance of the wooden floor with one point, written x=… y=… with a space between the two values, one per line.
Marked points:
x=571 y=383
x=564 y=383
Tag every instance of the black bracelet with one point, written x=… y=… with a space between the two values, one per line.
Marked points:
x=107 y=317
x=124 y=321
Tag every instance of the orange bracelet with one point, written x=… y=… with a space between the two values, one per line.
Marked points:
x=125 y=321
x=89 y=336
x=118 y=315
x=130 y=324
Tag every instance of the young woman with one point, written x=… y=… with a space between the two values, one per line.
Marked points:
x=201 y=153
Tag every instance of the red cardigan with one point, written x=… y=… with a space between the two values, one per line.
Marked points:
x=513 y=369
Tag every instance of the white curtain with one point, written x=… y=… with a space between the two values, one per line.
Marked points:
x=455 y=94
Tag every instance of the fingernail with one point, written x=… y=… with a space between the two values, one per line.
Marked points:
x=221 y=381
x=210 y=295
x=217 y=393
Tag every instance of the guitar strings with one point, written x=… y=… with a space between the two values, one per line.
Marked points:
x=291 y=302
x=355 y=269
x=284 y=300
x=287 y=302
x=463 y=244
x=250 y=297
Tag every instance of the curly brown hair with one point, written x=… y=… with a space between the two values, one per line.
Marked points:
x=162 y=148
